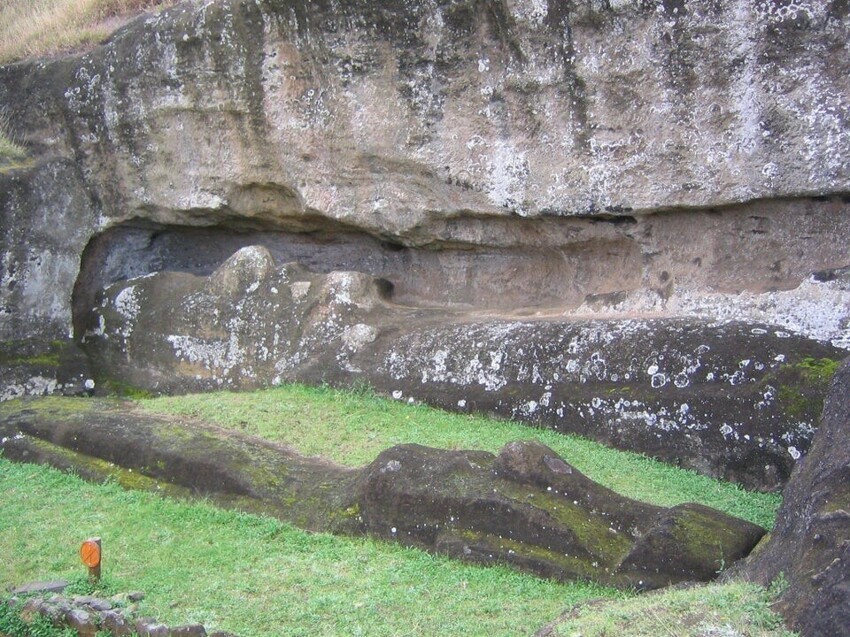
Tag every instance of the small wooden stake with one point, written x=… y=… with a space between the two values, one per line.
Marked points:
x=91 y=554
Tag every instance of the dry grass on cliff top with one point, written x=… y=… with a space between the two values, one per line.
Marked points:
x=39 y=28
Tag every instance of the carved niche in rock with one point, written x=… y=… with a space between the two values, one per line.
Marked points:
x=733 y=400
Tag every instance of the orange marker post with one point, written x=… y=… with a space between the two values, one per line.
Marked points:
x=91 y=554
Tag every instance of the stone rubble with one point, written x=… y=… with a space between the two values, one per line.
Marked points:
x=90 y=615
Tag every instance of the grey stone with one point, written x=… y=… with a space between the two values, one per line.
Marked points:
x=52 y=586
x=116 y=623
x=81 y=621
x=515 y=110
x=98 y=604
x=147 y=627
x=81 y=600
x=809 y=545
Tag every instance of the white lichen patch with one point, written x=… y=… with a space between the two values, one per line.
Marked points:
x=33 y=386
x=355 y=337
x=300 y=289
x=126 y=303
x=214 y=355
x=816 y=310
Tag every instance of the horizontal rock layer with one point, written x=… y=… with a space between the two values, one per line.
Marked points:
x=730 y=399
x=448 y=124
x=396 y=116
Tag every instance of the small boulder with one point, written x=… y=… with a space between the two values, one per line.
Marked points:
x=116 y=624
x=190 y=630
x=147 y=627
x=53 y=586
x=83 y=622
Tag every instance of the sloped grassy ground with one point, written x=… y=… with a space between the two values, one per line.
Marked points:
x=734 y=609
x=257 y=576
x=352 y=427
x=43 y=28
x=36 y=28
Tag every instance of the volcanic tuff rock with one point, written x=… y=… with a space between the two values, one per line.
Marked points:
x=669 y=165
x=526 y=507
x=810 y=544
x=448 y=124
x=734 y=400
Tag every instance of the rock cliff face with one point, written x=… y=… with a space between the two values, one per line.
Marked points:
x=809 y=546
x=490 y=160
x=440 y=123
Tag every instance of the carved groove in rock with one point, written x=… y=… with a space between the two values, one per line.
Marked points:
x=672 y=263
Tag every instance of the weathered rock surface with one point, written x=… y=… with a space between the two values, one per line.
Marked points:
x=89 y=616
x=626 y=160
x=810 y=544
x=526 y=507
x=730 y=399
x=47 y=219
x=390 y=117
x=34 y=367
x=771 y=262
x=479 y=129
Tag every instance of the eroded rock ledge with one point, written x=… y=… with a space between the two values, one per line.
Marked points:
x=526 y=506
x=731 y=399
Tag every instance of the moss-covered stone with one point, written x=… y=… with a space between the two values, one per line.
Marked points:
x=802 y=385
x=808 y=547
x=525 y=507
x=41 y=367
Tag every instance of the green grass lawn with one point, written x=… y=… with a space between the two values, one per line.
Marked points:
x=258 y=576
x=734 y=609
x=353 y=427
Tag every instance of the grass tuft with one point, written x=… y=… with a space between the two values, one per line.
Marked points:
x=12 y=154
x=734 y=609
